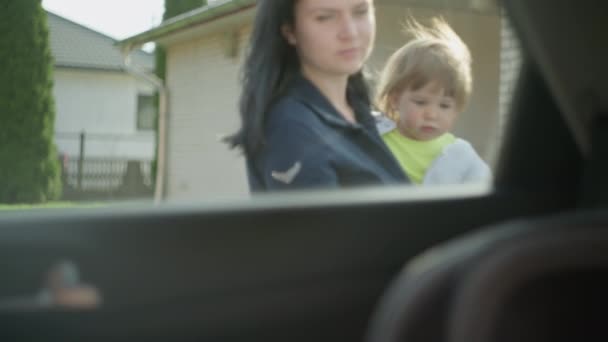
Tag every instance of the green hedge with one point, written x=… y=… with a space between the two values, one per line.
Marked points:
x=29 y=167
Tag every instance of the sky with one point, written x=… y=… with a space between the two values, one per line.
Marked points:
x=118 y=19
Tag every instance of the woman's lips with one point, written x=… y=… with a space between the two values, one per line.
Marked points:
x=348 y=53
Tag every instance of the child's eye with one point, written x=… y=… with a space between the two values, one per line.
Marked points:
x=446 y=106
x=419 y=102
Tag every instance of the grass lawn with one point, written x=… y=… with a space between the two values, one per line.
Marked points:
x=51 y=205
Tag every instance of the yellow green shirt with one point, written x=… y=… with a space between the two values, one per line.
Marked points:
x=415 y=157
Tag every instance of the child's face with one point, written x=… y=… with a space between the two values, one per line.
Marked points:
x=426 y=113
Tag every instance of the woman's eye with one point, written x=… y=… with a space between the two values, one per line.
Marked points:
x=361 y=12
x=419 y=102
x=322 y=18
x=446 y=106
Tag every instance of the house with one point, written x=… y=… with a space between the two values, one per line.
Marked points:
x=102 y=110
x=204 y=53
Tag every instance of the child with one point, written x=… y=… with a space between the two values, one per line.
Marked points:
x=423 y=88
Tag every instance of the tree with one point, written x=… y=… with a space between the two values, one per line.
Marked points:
x=173 y=8
x=29 y=167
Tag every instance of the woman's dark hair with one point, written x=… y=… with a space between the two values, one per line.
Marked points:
x=270 y=65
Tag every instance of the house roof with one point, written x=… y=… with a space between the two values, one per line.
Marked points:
x=76 y=46
x=214 y=10
x=221 y=8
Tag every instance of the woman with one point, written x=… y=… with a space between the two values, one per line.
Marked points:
x=305 y=107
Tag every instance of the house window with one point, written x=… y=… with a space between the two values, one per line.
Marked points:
x=146 y=112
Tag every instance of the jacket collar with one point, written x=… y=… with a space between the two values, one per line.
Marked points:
x=307 y=93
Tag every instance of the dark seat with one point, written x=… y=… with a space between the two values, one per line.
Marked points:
x=542 y=279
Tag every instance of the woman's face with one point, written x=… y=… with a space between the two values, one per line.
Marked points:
x=332 y=37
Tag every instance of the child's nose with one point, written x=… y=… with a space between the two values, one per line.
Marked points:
x=430 y=113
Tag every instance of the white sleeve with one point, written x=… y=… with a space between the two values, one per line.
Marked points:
x=458 y=163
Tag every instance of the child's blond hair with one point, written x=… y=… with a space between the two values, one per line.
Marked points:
x=436 y=54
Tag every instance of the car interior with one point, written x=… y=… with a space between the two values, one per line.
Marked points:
x=523 y=260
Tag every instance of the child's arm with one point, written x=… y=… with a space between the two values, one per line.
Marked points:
x=458 y=164
x=478 y=171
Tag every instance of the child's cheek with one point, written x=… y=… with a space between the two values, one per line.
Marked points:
x=412 y=116
x=408 y=112
x=410 y=120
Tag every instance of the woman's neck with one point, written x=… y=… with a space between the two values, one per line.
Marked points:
x=334 y=89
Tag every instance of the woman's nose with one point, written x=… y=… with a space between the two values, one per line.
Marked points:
x=348 y=27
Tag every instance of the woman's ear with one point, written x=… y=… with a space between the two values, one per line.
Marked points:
x=287 y=32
